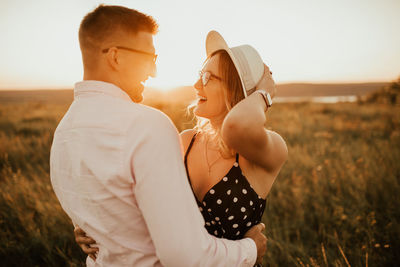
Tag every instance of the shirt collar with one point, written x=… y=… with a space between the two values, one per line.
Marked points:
x=92 y=86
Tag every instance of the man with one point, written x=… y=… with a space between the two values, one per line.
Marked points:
x=116 y=166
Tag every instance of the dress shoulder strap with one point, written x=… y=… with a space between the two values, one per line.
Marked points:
x=190 y=147
x=186 y=167
x=186 y=154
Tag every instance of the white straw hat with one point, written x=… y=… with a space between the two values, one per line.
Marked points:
x=246 y=59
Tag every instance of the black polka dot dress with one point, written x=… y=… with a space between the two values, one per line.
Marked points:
x=231 y=207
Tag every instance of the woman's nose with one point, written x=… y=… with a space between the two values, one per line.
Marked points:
x=198 y=85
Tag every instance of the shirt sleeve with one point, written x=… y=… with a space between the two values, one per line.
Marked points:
x=168 y=205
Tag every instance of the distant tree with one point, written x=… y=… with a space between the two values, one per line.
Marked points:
x=389 y=94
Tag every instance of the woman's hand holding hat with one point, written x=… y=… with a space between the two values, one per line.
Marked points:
x=267 y=83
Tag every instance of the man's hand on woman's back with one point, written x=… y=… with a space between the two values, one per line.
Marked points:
x=260 y=239
x=84 y=242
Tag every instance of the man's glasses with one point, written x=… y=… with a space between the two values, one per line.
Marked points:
x=153 y=56
x=206 y=76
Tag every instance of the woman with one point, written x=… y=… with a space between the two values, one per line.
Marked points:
x=230 y=158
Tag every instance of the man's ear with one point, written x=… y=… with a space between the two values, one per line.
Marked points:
x=113 y=58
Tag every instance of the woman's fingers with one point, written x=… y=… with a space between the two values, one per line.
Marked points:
x=267 y=83
x=270 y=83
x=266 y=69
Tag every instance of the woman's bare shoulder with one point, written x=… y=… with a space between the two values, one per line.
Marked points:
x=186 y=137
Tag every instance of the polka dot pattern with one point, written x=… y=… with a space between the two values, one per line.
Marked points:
x=231 y=207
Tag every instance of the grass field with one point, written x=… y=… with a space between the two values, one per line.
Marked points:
x=335 y=203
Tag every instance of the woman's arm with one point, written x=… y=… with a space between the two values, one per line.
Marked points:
x=243 y=130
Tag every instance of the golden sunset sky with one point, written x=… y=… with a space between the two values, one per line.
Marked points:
x=301 y=41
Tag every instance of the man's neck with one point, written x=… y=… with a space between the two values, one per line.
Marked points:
x=95 y=76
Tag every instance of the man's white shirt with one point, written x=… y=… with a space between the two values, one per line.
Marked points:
x=117 y=170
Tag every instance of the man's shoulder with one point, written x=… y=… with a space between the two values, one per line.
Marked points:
x=149 y=118
x=131 y=110
x=149 y=113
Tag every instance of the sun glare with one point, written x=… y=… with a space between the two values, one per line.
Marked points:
x=333 y=41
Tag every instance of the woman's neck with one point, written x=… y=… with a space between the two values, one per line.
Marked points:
x=216 y=122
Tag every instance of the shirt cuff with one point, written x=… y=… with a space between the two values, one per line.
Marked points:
x=251 y=251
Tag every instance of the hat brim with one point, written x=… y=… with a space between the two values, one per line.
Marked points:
x=215 y=42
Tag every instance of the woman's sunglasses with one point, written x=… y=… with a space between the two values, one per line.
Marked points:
x=206 y=76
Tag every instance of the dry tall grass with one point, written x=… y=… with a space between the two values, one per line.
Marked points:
x=335 y=203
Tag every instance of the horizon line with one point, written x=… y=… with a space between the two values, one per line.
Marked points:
x=160 y=88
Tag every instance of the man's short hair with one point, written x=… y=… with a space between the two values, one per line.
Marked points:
x=105 y=21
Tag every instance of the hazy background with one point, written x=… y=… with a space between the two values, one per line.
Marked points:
x=336 y=200
x=301 y=41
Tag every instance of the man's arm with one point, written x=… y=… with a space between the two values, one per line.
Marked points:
x=169 y=208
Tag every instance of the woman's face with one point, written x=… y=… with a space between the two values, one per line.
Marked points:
x=210 y=97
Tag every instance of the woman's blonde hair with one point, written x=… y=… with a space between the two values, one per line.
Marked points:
x=233 y=94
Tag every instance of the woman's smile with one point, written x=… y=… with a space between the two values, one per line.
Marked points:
x=201 y=99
